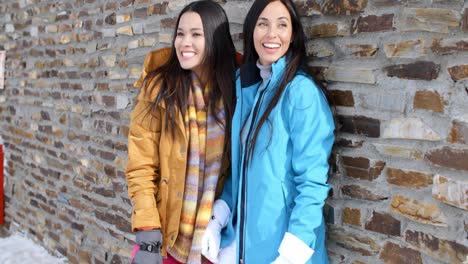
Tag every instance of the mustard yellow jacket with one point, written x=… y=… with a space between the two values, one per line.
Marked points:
x=156 y=166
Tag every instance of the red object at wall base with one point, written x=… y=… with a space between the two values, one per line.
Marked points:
x=2 y=215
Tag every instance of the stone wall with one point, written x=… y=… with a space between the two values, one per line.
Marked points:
x=397 y=69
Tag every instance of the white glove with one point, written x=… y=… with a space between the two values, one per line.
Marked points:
x=292 y=250
x=227 y=255
x=212 y=237
x=281 y=260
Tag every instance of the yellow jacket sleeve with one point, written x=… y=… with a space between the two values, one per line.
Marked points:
x=143 y=165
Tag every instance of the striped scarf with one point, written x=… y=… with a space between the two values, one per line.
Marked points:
x=206 y=145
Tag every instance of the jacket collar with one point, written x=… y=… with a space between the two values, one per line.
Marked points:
x=250 y=73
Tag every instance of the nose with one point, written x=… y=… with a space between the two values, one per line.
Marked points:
x=186 y=41
x=271 y=33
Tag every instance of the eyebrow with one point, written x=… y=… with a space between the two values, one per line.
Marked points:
x=192 y=29
x=264 y=18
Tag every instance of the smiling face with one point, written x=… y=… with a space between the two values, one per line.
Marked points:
x=273 y=33
x=189 y=42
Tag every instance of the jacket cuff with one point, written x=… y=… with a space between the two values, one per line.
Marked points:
x=294 y=249
x=145 y=212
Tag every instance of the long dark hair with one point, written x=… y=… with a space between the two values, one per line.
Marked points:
x=218 y=65
x=295 y=56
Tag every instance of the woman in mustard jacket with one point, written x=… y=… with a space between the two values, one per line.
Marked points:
x=178 y=142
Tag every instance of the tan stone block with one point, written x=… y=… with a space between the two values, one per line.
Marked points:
x=123 y=18
x=135 y=72
x=328 y=30
x=429 y=19
x=458 y=132
x=78 y=24
x=169 y=22
x=68 y=62
x=406 y=49
x=410 y=128
x=77 y=109
x=47 y=41
x=359 y=192
x=459 y=72
x=418 y=211
x=451 y=191
x=133 y=44
x=361 y=50
x=351 y=216
x=398 y=151
x=39 y=65
x=447 y=46
x=165 y=38
x=65 y=38
x=345 y=7
x=428 y=100
x=65 y=28
x=350 y=74
x=109 y=60
x=84 y=37
x=117 y=75
x=407 y=178
x=317 y=50
x=32 y=75
x=364 y=245
x=148 y=42
x=158 y=9
x=125 y=30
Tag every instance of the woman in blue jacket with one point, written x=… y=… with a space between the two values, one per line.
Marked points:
x=282 y=135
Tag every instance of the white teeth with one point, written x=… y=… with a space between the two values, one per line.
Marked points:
x=188 y=54
x=271 y=45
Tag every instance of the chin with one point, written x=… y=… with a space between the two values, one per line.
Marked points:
x=186 y=67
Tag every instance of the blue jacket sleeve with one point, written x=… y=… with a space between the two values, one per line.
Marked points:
x=311 y=132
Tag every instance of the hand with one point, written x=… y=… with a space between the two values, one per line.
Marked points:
x=145 y=257
x=150 y=242
x=227 y=255
x=211 y=239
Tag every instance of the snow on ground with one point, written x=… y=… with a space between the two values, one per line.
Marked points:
x=18 y=249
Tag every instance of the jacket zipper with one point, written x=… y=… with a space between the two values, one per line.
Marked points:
x=244 y=183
